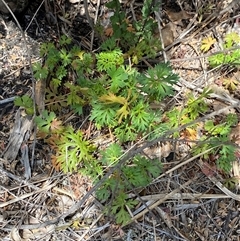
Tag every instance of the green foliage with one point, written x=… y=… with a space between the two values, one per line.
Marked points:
x=127 y=100
x=158 y=82
x=220 y=129
x=40 y=71
x=232 y=56
x=118 y=98
x=44 y=122
x=76 y=153
x=109 y=60
x=232 y=119
x=217 y=136
x=26 y=102
x=83 y=63
x=118 y=207
x=137 y=172
x=136 y=38
x=227 y=156
x=111 y=155
x=194 y=108
x=141 y=118
x=120 y=25
x=220 y=134
x=231 y=183
x=231 y=39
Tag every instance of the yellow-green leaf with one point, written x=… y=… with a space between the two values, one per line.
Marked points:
x=111 y=98
x=207 y=43
x=123 y=112
x=230 y=84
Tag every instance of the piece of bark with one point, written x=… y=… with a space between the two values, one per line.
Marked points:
x=6 y=101
x=169 y=34
x=21 y=131
x=40 y=89
x=177 y=17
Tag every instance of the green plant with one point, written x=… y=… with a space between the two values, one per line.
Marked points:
x=137 y=38
x=45 y=121
x=137 y=172
x=118 y=207
x=194 y=108
x=117 y=98
x=76 y=153
x=231 y=54
x=124 y=107
x=214 y=134
x=26 y=102
x=217 y=135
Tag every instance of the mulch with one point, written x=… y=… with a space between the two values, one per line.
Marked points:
x=184 y=203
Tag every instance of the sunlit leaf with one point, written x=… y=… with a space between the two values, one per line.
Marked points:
x=207 y=43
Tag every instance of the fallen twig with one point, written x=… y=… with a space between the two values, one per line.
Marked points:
x=6 y=101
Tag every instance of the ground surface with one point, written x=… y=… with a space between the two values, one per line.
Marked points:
x=185 y=203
